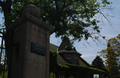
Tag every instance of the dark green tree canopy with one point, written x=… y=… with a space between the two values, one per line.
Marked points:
x=68 y=17
x=98 y=62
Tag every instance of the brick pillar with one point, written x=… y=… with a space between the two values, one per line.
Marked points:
x=30 y=50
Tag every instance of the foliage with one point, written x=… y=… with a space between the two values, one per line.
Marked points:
x=1 y=69
x=53 y=60
x=112 y=54
x=98 y=63
x=68 y=17
x=69 y=69
x=77 y=68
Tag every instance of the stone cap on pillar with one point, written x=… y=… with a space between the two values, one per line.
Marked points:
x=33 y=10
x=32 y=14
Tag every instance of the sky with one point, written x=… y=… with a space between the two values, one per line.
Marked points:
x=110 y=30
x=89 y=51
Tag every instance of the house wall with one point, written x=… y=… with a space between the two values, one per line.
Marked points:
x=73 y=58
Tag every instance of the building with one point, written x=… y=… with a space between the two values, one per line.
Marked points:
x=67 y=55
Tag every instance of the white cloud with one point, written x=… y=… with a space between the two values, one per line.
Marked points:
x=88 y=55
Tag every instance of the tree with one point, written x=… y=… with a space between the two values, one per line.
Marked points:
x=112 y=54
x=98 y=63
x=68 y=17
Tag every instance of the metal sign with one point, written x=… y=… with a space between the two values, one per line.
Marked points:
x=37 y=48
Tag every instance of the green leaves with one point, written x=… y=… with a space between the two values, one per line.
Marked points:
x=1 y=10
x=98 y=63
x=68 y=17
x=112 y=54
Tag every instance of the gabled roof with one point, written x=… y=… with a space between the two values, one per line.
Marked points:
x=67 y=47
x=53 y=47
x=65 y=42
x=63 y=61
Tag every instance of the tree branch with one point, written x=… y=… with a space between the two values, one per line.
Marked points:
x=8 y=5
x=63 y=5
x=1 y=3
x=104 y=16
x=57 y=15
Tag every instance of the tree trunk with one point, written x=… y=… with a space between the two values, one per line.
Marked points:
x=6 y=7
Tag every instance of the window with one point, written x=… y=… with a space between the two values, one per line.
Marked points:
x=76 y=57
x=69 y=56
x=95 y=75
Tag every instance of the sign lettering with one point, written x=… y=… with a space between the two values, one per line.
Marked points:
x=37 y=48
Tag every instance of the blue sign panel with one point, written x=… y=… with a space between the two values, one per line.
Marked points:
x=37 y=48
